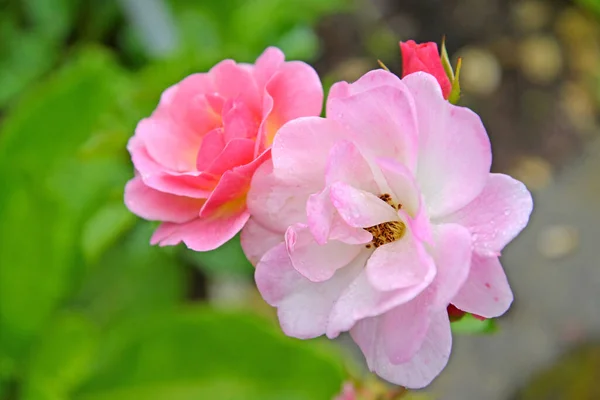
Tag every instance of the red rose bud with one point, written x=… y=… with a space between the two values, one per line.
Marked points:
x=424 y=57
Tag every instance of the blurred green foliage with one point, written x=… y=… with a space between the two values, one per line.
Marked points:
x=88 y=309
x=470 y=325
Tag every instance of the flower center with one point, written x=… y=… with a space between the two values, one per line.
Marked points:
x=386 y=232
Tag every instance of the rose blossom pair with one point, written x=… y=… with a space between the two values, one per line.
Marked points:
x=372 y=220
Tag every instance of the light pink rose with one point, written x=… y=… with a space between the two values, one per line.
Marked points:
x=376 y=218
x=196 y=154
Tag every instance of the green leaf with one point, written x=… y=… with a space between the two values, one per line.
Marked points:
x=104 y=228
x=131 y=279
x=52 y=19
x=454 y=96
x=469 y=325
x=203 y=354
x=62 y=359
x=446 y=60
x=47 y=190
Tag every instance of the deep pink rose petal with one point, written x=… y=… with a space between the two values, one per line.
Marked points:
x=201 y=143
x=382 y=121
x=497 y=215
x=317 y=262
x=267 y=64
x=229 y=196
x=175 y=154
x=454 y=149
x=303 y=306
x=237 y=152
x=233 y=81
x=287 y=99
x=212 y=145
x=239 y=122
x=422 y=368
x=424 y=57
x=256 y=240
x=201 y=234
x=486 y=291
x=359 y=208
x=400 y=264
x=154 y=205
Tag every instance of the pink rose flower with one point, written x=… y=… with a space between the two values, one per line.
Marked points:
x=426 y=58
x=376 y=218
x=196 y=154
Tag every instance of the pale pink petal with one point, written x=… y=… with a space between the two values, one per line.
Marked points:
x=497 y=215
x=346 y=164
x=267 y=64
x=403 y=330
x=303 y=306
x=400 y=264
x=256 y=240
x=274 y=202
x=158 y=206
x=201 y=234
x=301 y=148
x=402 y=184
x=317 y=262
x=361 y=300
x=325 y=223
x=454 y=149
x=452 y=255
x=486 y=291
x=371 y=80
x=382 y=122
x=422 y=368
x=345 y=233
x=359 y=208
x=320 y=215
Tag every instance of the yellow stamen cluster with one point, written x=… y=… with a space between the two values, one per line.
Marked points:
x=386 y=232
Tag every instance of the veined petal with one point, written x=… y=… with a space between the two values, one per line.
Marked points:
x=159 y=206
x=422 y=367
x=486 y=291
x=400 y=264
x=497 y=215
x=201 y=234
x=303 y=306
x=382 y=121
x=256 y=240
x=454 y=149
x=317 y=262
x=359 y=208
